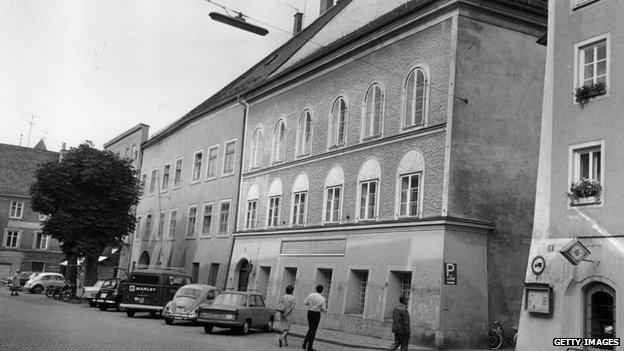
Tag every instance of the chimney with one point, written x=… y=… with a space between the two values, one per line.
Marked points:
x=325 y=5
x=298 y=23
x=62 y=153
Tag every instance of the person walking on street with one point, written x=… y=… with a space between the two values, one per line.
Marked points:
x=286 y=306
x=400 y=325
x=316 y=304
x=15 y=284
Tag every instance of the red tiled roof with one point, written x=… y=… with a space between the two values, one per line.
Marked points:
x=18 y=165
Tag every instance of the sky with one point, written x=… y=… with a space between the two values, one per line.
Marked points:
x=92 y=69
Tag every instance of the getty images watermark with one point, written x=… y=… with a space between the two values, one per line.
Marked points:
x=586 y=342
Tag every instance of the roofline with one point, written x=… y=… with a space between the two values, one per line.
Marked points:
x=27 y=148
x=125 y=134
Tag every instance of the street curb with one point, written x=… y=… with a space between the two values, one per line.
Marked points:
x=334 y=342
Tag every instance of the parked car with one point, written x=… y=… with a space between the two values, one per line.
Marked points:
x=38 y=282
x=239 y=310
x=186 y=301
x=110 y=294
x=89 y=292
x=24 y=276
x=149 y=290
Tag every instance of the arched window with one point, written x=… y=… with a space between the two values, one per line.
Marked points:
x=415 y=98
x=299 y=203
x=368 y=189
x=278 y=142
x=257 y=142
x=338 y=126
x=409 y=185
x=332 y=205
x=252 y=207
x=373 y=115
x=275 y=203
x=304 y=134
x=600 y=312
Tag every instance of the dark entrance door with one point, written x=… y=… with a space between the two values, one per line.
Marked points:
x=243 y=276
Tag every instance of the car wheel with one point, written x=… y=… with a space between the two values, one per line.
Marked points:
x=117 y=308
x=102 y=307
x=38 y=289
x=130 y=313
x=269 y=327
x=208 y=329
x=245 y=328
x=92 y=303
x=50 y=292
x=168 y=320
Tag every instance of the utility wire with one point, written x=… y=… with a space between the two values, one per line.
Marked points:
x=444 y=91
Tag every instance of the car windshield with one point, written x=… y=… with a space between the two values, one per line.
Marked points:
x=110 y=284
x=230 y=299
x=144 y=279
x=188 y=292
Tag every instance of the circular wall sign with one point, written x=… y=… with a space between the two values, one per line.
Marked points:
x=538 y=265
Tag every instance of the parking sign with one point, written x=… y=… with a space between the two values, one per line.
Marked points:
x=450 y=273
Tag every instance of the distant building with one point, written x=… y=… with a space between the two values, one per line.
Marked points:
x=574 y=281
x=24 y=247
x=126 y=145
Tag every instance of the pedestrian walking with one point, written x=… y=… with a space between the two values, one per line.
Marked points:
x=316 y=304
x=400 y=325
x=15 y=284
x=286 y=307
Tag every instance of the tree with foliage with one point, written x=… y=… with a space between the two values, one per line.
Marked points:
x=88 y=197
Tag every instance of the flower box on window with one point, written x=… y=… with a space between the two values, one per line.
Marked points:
x=585 y=191
x=586 y=92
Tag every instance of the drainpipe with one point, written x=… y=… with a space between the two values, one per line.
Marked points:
x=240 y=183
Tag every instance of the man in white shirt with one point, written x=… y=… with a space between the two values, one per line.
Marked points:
x=316 y=304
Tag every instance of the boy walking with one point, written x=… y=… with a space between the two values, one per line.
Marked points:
x=401 y=325
x=316 y=305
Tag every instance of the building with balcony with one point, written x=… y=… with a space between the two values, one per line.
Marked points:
x=573 y=279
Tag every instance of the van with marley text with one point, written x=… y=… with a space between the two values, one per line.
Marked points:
x=149 y=290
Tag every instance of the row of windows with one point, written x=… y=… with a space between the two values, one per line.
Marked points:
x=12 y=238
x=229 y=159
x=408 y=195
x=193 y=224
x=414 y=114
x=16 y=211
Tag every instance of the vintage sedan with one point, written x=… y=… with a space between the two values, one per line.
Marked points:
x=186 y=302
x=89 y=292
x=110 y=294
x=239 y=310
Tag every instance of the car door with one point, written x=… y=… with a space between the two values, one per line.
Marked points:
x=263 y=313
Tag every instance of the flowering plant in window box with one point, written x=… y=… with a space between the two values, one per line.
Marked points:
x=585 y=191
x=586 y=92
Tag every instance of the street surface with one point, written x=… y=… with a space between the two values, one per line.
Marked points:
x=35 y=322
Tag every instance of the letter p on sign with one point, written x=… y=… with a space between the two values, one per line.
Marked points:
x=450 y=273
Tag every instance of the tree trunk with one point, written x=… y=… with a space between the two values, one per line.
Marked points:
x=72 y=271
x=91 y=272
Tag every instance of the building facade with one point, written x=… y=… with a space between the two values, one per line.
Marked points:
x=573 y=280
x=127 y=145
x=24 y=247
x=401 y=158
x=190 y=173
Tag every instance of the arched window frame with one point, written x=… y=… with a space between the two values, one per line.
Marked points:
x=251 y=208
x=301 y=185
x=409 y=119
x=369 y=172
x=411 y=165
x=274 y=203
x=589 y=290
x=279 y=137
x=333 y=180
x=305 y=131
x=339 y=117
x=257 y=146
x=370 y=115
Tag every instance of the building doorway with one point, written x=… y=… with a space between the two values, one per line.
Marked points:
x=600 y=312
x=144 y=259
x=244 y=268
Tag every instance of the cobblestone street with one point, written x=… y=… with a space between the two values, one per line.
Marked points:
x=35 y=322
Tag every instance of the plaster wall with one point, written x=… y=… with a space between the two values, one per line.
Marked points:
x=212 y=129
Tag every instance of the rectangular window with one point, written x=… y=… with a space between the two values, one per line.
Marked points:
x=161 y=225
x=11 y=238
x=207 y=222
x=299 y=208
x=16 y=210
x=172 y=223
x=148 y=226
x=213 y=154
x=274 y=211
x=593 y=63
x=324 y=278
x=192 y=219
x=177 y=173
x=137 y=231
x=224 y=217
x=165 y=179
x=332 y=204
x=195 y=272
x=363 y=277
x=197 y=165
x=289 y=277
x=37 y=266
x=41 y=241
x=228 y=158
x=409 y=197
x=252 y=214
x=213 y=274
x=143 y=184
x=356 y=292
x=368 y=200
x=587 y=164
x=153 y=181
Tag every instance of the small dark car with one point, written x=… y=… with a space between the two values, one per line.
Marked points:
x=239 y=310
x=110 y=294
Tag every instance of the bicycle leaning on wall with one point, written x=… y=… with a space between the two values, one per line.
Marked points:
x=497 y=336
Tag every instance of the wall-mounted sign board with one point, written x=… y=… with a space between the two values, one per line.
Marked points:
x=538 y=298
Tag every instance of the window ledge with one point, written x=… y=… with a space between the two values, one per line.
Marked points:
x=210 y=178
x=196 y=181
x=582 y=4
x=413 y=127
x=227 y=175
x=369 y=138
x=585 y=201
x=190 y=238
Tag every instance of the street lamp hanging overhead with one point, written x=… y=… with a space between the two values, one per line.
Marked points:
x=238 y=22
